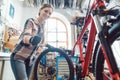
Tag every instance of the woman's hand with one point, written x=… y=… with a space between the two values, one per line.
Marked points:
x=35 y=40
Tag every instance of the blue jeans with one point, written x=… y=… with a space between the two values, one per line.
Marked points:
x=20 y=71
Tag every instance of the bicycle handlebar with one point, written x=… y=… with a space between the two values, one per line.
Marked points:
x=114 y=20
x=103 y=12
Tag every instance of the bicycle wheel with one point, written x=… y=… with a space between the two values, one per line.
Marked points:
x=94 y=56
x=101 y=68
x=45 y=66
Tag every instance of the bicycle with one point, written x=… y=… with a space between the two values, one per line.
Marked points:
x=100 y=53
x=45 y=65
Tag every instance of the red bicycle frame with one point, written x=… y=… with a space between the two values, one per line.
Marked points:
x=86 y=60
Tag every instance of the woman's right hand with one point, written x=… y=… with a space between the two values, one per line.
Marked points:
x=35 y=40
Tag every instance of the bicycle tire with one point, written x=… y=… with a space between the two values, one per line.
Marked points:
x=94 y=56
x=100 y=65
x=62 y=53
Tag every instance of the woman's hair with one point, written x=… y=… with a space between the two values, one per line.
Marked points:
x=45 y=6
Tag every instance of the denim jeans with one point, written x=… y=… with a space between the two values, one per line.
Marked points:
x=19 y=69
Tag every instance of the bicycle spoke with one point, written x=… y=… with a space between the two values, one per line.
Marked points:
x=53 y=63
x=46 y=71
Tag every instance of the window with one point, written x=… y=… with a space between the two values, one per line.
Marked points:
x=56 y=33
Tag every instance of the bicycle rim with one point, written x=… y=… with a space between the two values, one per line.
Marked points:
x=44 y=70
x=101 y=69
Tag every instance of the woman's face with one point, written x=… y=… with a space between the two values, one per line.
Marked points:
x=45 y=13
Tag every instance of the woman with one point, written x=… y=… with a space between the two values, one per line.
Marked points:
x=32 y=36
